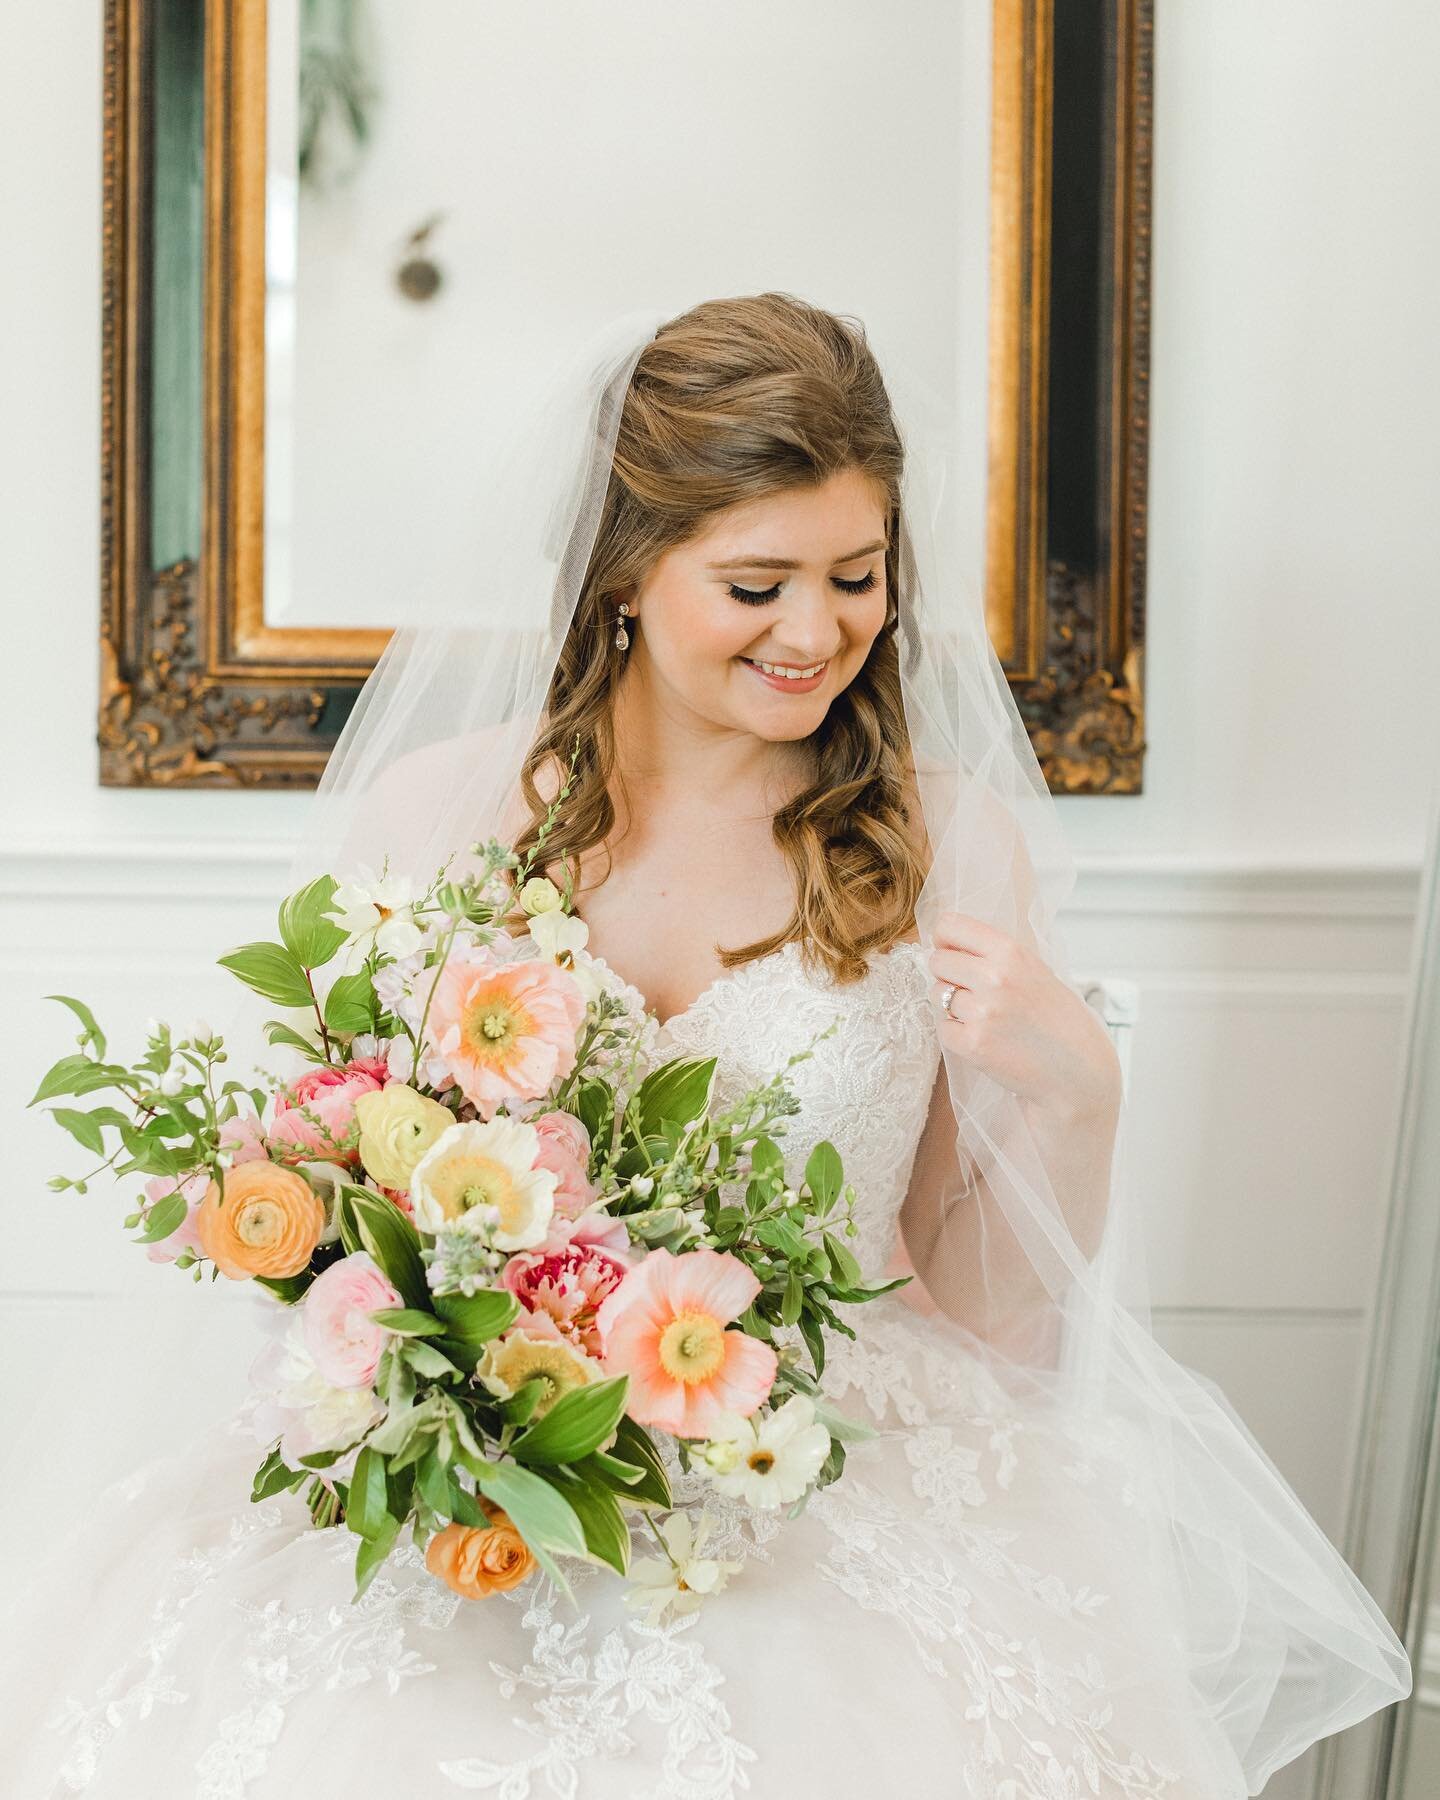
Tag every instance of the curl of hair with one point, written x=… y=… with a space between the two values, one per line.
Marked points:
x=732 y=401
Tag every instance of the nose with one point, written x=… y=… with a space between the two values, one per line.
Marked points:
x=807 y=630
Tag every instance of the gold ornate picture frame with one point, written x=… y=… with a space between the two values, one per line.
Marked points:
x=198 y=690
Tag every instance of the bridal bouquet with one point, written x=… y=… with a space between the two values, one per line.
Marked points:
x=502 y=1256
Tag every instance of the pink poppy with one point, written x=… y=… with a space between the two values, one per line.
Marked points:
x=505 y=1032
x=664 y=1327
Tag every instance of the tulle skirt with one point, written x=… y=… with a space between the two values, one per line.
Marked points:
x=990 y=1603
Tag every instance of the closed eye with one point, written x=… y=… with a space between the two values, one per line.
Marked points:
x=753 y=598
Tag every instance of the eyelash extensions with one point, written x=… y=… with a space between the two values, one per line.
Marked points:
x=751 y=598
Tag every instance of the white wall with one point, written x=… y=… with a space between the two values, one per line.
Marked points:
x=1260 y=890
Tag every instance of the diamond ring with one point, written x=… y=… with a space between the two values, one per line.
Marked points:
x=947 y=994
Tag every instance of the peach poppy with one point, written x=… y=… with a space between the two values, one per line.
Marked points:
x=664 y=1327
x=505 y=1032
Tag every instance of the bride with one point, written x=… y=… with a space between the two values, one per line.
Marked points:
x=804 y=801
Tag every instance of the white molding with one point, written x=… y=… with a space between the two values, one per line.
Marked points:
x=88 y=866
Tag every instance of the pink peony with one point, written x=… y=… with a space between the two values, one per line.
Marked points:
x=244 y=1137
x=185 y=1236
x=328 y=1094
x=344 y=1341
x=664 y=1327
x=505 y=1032
x=566 y=1280
x=565 y=1151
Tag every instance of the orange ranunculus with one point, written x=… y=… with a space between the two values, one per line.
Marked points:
x=476 y=1560
x=268 y=1222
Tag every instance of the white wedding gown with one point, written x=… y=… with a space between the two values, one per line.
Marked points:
x=976 y=1608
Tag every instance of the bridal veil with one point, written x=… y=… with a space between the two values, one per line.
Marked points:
x=1280 y=1642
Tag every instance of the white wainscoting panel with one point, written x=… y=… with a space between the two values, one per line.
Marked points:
x=1263 y=1082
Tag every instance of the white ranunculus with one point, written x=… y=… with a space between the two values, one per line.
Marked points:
x=293 y=1400
x=481 y=1177
x=767 y=1459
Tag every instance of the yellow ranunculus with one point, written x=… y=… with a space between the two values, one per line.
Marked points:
x=539 y=895
x=397 y=1127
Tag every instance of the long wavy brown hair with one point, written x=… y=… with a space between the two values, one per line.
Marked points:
x=732 y=401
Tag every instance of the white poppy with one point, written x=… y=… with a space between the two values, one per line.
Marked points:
x=481 y=1177
x=767 y=1459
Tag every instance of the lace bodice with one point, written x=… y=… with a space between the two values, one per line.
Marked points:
x=866 y=1087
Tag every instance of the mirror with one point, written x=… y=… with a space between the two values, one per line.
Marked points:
x=339 y=232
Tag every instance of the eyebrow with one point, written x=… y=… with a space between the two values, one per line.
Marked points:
x=785 y=562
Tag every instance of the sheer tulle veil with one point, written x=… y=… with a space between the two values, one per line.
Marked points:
x=1280 y=1642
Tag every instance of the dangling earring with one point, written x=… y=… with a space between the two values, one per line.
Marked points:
x=622 y=636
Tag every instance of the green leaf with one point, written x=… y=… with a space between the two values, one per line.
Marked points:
x=288 y=1288
x=365 y=1513
x=77 y=1075
x=400 y=1429
x=576 y=1424
x=824 y=1174
x=427 y=1360
x=350 y=1005
x=311 y=939
x=848 y=1273
x=391 y=1239
x=675 y=1093
x=815 y=1341
x=607 y=1536
x=471 y=1320
x=167 y=1215
x=543 y=1517
x=278 y=1033
x=601 y=1462
x=633 y=1444
x=434 y=1482
x=407 y=1322
x=372 y=1553
x=519 y=1409
x=793 y=1299
x=82 y=1127
x=273 y=1477
x=766 y=1158
x=271 y=970
x=595 y=1108
x=93 y=1034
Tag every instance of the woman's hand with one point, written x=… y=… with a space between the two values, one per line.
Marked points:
x=1015 y=1020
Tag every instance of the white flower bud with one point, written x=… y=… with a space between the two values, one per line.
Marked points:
x=200 y=1032
x=171 y=1082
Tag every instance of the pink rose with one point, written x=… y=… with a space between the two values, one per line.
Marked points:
x=244 y=1137
x=328 y=1095
x=565 y=1151
x=344 y=1341
x=566 y=1281
x=185 y=1236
